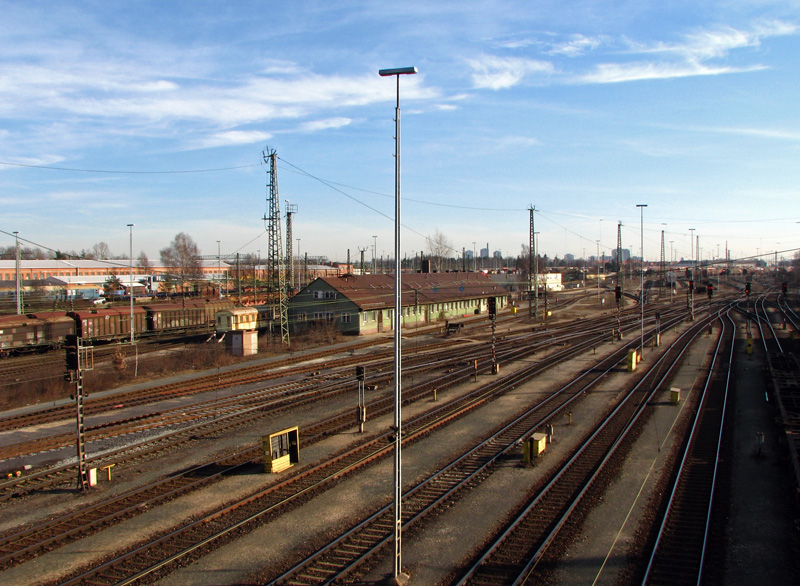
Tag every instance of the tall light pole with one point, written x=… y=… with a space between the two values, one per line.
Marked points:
x=130 y=285
x=219 y=269
x=298 y=262
x=641 y=207
x=474 y=258
x=375 y=254
x=16 y=270
x=398 y=478
x=597 y=258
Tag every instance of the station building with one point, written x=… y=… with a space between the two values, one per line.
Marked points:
x=364 y=304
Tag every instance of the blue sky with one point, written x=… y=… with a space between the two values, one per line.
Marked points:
x=582 y=109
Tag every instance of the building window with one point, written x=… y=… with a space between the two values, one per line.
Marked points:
x=318 y=315
x=301 y=316
x=364 y=317
x=345 y=317
x=329 y=317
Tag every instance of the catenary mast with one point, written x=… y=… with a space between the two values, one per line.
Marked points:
x=276 y=277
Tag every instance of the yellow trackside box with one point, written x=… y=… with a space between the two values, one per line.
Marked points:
x=674 y=395
x=281 y=449
x=534 y=446
x=632 y=361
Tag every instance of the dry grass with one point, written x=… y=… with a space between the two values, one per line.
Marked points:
x=124 y=368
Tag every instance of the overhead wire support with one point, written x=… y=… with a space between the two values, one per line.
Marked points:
x=276 y=274
x=291 y=209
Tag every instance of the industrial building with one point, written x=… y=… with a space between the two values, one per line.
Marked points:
x=364 y=304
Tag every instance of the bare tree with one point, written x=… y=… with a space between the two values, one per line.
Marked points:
x=101 y=251
x=181 y=257
x=439 y=248
x=144 y=262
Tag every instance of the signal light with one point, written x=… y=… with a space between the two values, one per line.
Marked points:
x=710 y=291
x=618 y=293
x=359 y=372
x=747 y=287
x=691 y=284
x=73 y=361
x=492 y=301
x=784 y=288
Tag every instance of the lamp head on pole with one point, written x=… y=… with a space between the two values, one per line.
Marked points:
x=398 y=71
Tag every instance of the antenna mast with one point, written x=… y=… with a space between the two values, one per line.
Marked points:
x=276 y=278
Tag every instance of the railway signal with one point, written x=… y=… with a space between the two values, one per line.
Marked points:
x=747 y=288
x=710 y=290
x=784 y=288
x=73 y=358
x=361 y=409
x=78 y=359
x=618 y=293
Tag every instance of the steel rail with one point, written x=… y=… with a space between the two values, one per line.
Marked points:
x=14 y=487
x=341 y=557
x=330 y=473
x=679 y=551
x=514 y=554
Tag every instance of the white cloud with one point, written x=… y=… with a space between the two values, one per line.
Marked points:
x=325 y=124
x=234 y=137
x=755 y=132
x=515 y=142
x=719 y=42
x=496 y=73
x=642 y=70
x=576 y=46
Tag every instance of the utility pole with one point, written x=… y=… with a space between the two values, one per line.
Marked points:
x=276 y=278
x=291 y=209
x=663 y=274
x=16 y=263
x=531 y=262
x=362 y=250
x=620 y=273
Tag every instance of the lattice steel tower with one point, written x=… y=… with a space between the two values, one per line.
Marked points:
x=276 y=273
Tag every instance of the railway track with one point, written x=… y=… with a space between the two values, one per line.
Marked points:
x=33 y=540
x=225 y=408
x=246 y=375
x=236 y=519
x=512 y=555
x=680 y=553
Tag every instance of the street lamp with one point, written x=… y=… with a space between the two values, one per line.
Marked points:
x=597 y=259
x=298 y=263
x=219 y=269
x=641 y=207
x=130 y=284
x=398 y=490
x=374 y=254
x=16 y=270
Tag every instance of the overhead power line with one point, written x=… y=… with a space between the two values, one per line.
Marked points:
x=121 y=172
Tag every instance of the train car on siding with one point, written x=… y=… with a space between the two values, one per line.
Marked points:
x=108 y=323
x=58 y=325
x=21 y=333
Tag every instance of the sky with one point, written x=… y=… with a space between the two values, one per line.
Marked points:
x=158 y=114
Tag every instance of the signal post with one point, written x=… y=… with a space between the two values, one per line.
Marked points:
x=78 y=359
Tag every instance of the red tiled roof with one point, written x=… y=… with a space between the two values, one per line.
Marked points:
x=377 y=291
